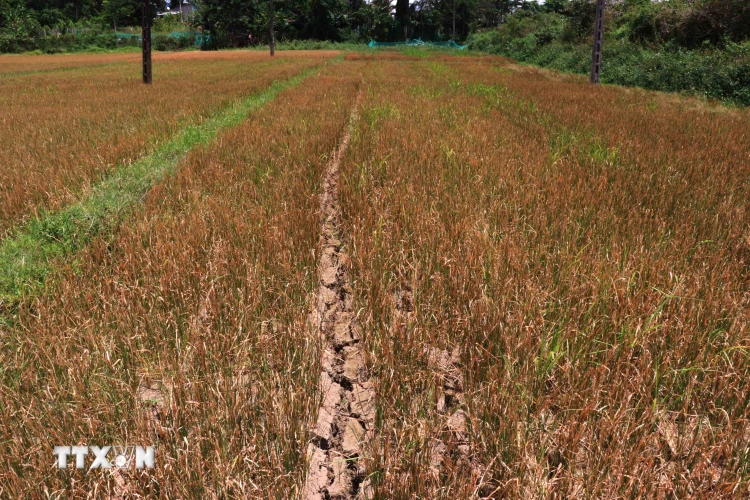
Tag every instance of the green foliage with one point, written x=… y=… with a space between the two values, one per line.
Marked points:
x=528 y=30
x=714 y=73
x=374 y=21
x=691 y=24
x=230 y=22
x=97 y=41
x=580 y=20
x=318 y=45
x=169 y=24
x=18 y=26
x=120 y=13
x=700 y=47
x=327 y=20
x=173 y=41
x=718 y=73
x=58 y=26
x=640 y=24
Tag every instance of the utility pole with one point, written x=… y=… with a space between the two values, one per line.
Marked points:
x=454 y=21
x=596 y=55
x=270 y=5
x=146 y=42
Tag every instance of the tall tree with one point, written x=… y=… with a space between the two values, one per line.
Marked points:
x=327 y=20
x=120 y=13
x=227 y=21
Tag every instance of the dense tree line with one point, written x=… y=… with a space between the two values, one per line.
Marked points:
x=352 y=20
x=57 y=25
x=688 y=23
x=71 y=14
x=27 y=19
x=232 y=21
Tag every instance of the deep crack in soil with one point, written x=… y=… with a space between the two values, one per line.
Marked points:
x=453 y=440
x=346 y=417
x=451 y=443
x=450 y=404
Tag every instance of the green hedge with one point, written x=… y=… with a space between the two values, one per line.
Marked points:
x=716 y=73
x=93 y=40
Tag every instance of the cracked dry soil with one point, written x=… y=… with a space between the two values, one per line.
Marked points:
x=346 y=417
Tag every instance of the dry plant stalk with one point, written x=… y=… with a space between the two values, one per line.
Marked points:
x=591 y=263
x=593 y=266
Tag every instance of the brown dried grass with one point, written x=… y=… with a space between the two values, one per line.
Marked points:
x=199 y=305
x=61 y=131
x=590 y=263
x=12 y=65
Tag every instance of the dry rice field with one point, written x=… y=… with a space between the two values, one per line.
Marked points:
x=433 y=277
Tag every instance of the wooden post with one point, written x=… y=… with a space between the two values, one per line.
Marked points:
x=596 y=55
x=146 y=42
x=270 y=5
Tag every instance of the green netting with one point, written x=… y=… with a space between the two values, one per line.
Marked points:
x=200 y=38
x=126 y=36
x=418 y=42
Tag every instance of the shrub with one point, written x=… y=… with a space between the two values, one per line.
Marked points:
x=173 y=41
x=716 y=73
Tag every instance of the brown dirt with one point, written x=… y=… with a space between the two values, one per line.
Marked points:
x=346 y=417
x=451 y=445
x=154 y=397
x=452 y=442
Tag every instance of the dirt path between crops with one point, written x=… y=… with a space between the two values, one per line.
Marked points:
x=346 y=417
x=452 y=443
x=450 y=446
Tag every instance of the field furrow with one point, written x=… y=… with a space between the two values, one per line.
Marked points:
x=346 y=418
x=187 y=326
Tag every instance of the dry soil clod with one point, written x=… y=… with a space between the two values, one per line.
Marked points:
x=153 y=398
x=346 y=417
x=453 y=437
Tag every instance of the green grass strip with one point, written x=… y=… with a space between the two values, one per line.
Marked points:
x=26 y=258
